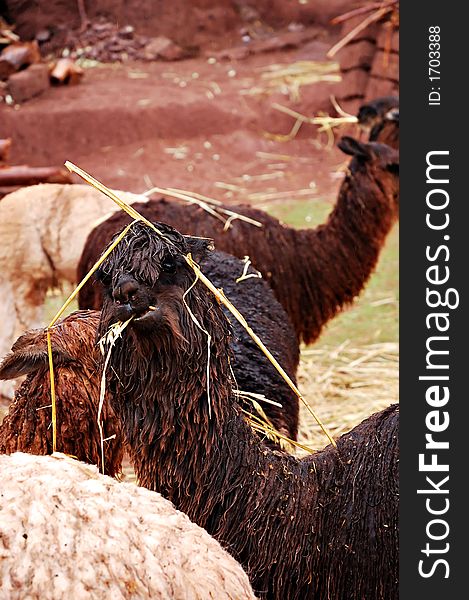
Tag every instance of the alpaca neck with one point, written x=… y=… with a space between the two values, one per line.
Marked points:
x=171 y=425
x=339 y=256
x=191 y=457
x=366 y=202
x=356 y=229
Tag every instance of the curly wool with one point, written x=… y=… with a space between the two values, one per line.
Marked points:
x=77 y=375
x=67 y=533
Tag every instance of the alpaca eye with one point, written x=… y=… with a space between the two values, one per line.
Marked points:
x=169 y=266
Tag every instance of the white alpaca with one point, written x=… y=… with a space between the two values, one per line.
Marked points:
x=69 y=533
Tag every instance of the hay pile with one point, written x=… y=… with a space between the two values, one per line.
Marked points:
x=346 y=384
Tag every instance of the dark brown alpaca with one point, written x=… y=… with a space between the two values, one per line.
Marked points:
x=77 y=374
x=324 y=527
x=253 y=372
x=314 y=273
x=27 y=426
x=380 y=118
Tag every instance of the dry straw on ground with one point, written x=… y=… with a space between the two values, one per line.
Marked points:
x=288 y=79
x=325 y=122
x=210 y=205
x=348 y=384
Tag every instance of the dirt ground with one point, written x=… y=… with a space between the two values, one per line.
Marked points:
x=201 y=23
x=194 y=124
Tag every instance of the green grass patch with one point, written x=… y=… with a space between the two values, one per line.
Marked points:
x=301 y=213
x=55 y=300
x=374 y=316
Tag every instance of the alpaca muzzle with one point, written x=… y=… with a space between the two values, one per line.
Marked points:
x=130 y=299
x=125 y=290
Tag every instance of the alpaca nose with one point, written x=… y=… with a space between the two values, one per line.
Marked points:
x=125 y=290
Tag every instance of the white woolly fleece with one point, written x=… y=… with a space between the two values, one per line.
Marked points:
x=69 y=533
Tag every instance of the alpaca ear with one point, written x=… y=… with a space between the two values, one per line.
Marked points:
x=353 y=147
x=366 y=113
x=29 y=358
x=21 y=363
x=199 y=247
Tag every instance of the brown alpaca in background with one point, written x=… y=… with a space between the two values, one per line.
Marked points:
x=380 y=118
x=314 y=273
x=321 y=527
x=27 y=426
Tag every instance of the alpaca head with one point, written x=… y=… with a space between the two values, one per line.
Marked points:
x=176 y=345
x=373 y=164
x=73 y=343
x=147 y=278
x=377 y=110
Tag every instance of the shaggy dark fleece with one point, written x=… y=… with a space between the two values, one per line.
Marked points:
x=380 y=118
x=314 y=273
x=78 y=378
x=254 y=299
x=77 y=362
x=252 y=370
x=324 y=527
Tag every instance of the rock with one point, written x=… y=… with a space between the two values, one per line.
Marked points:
x=18 y=55
x=66 y=71
x=43 y=36
x=29 y=83
x=162 y=47
x=126 y=33
x=100 y=27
